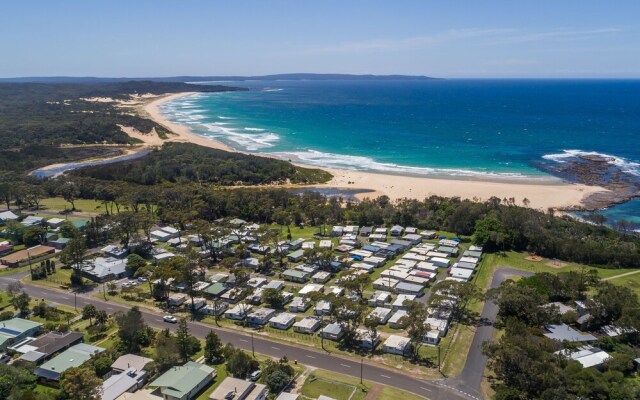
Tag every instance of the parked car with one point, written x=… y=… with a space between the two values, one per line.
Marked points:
x=255 y=375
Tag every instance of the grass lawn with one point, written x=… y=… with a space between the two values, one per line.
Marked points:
x=221 y=373
x=50 y=392
x=630 y=281
x=60 y=204
x=337 y=386
x=390 y=393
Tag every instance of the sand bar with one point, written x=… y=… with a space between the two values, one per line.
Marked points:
x=540 y=195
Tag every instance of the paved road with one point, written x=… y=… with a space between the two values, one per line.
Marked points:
x=430 y=389
x=470 y=378
x=463 y=387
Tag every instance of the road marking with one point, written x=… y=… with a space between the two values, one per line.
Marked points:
x=310 y=356
x=345 y=365
x=424 y=388
x=159 y=320
x=64 y=297
x=275 y=348
x=385 y=376
x=244 y=340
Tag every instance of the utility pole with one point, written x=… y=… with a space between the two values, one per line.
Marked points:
x=361 y=366
x=439 y=359
x=75 y=300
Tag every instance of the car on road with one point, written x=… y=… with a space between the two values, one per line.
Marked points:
x=142 y=279
x=170 y=319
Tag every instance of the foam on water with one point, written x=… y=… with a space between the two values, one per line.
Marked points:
x=360 y=163
x=625 y=165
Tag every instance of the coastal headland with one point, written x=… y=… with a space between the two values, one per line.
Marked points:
x=557 y=195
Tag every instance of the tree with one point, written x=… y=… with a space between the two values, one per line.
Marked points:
x=273 y=298
x=416 y=327
x=81 y=384
x=466 y=293
x=239 y=363
x=371 y=323
x=277 y=381
x=89 y=312
x=73 y=253
x=21 y=302
x=521 y=302
x=69 y=192
x=490 y=233
x=212 y=348
x=132 y=330
x=14 y=376
x=166 y=354
x=348 y=314
x=187 y=344
x=14 y=288
x=134 y=263
x=101 y=317
x=355 y=283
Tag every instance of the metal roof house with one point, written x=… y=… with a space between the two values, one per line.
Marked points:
x=238 y=389
x=184 y=382
x=16 y=329
x=39 y=349
x=563 y=332
x=73 y=357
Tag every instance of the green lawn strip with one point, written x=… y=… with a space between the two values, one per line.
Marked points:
x=60 y=204
x=630 y=281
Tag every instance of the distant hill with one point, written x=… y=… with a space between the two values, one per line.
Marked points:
x=297 y=77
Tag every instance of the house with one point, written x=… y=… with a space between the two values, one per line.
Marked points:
x=198 y=303
x=114 y=251
x=296 y=256
x=73 y=357
x=307 y=325
x=296 y=244
x=275 y=284
x=363 y=267
x=321 y=277
x=239 y=312
x=439 y=325
x=7 y=216
x=164 y=255
x=219 y=277
x=59 y=243
x=16 y=329
x=332 y=331
x=295 y=275
x=177 y=299
x=432 y=337
x=364 y=340
x=238 y=389
x=562 y=332
x=299 y=304
x=310 y=288
x=382 y=314
x=215 y=309
x=102 y=269
x=55 y=222
x=257 y=282
x=375 y=261
x=32 y=220
x=470 y=260
x=588 y=356
x=399 y=303
x=366 y=230
x=308 y=245
x=260 y=316
x=282 y=321
x=396 y=345
x=396 y=230
x=449 y=242
x=160 y=236
x=461 y=273
x=450 y=251
x=394 y=274
x=403 y=244
x=215 y=290
x=379 y=298
x=288 y=396
x=440 y=262
x=127 y=361
x=465 y=265
x=251 y=262
x=325 y=244
x=337 y=231
x=126 y=382
x=396 y=321
x=183 y=382
x=387 y=284
x=409 y=288
x=233 y=295
x=36 y=350
x=323 y=307
x=413 y=238
x=471 y=253
x=33 y=254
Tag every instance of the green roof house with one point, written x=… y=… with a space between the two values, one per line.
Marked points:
x=183 y=383
x=16 y=329
x=73 y=357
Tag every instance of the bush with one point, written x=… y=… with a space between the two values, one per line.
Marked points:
x=5 y=315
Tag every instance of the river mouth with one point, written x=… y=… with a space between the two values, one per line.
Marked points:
x=51 y=171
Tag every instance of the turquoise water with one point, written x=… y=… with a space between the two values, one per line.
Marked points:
x=502 y=129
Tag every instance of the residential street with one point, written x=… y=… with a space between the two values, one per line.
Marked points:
x=465 y=386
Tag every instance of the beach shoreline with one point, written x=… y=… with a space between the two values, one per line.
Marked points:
x=553 y=194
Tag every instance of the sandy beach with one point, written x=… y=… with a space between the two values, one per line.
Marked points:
x=540 y=195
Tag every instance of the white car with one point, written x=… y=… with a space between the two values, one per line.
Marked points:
x=170 y=318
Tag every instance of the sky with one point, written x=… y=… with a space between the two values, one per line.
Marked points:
x=448 y=39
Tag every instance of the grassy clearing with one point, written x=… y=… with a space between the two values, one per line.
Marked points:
x=60 y=204
x=390 y=393
x=630 y=281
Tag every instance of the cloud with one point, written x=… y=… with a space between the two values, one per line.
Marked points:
x=557 y=35
x=408 y=43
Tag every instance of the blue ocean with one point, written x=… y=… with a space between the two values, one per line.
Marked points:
x=492 y=129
